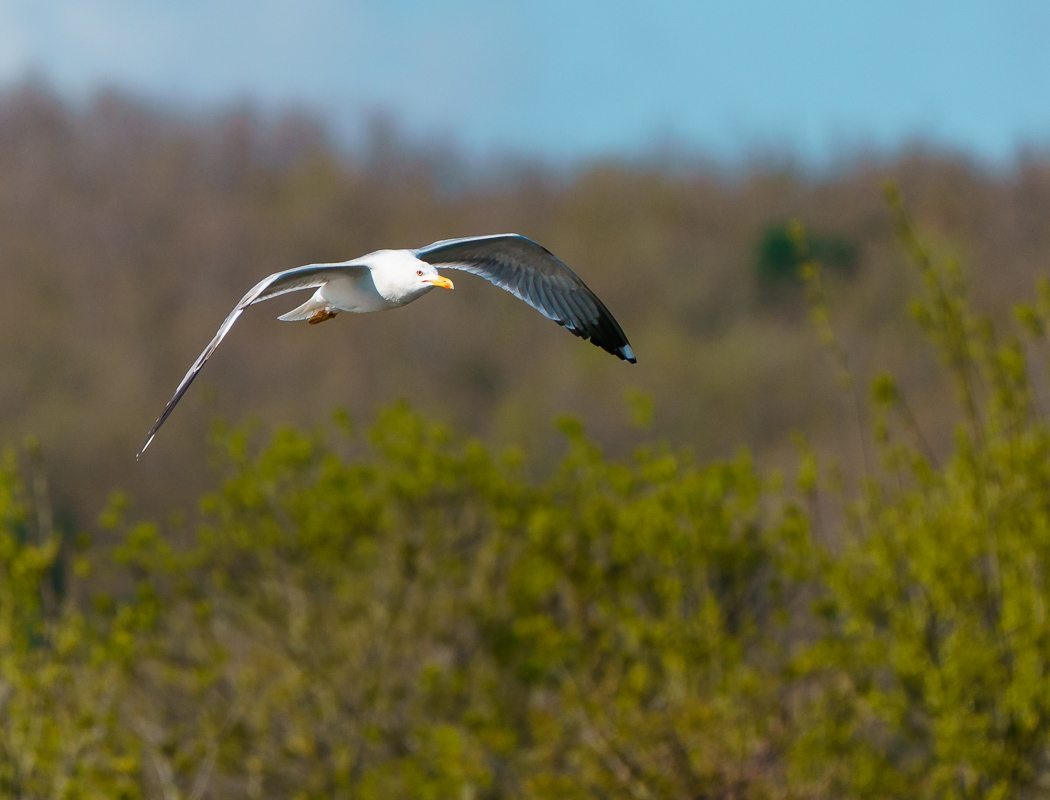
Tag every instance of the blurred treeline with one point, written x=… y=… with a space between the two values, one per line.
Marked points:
x=128 y=231
x=404 y=613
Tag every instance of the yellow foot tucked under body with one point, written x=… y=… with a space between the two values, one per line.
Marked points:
x=321 y=316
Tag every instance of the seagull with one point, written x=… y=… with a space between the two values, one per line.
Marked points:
x=389 y=279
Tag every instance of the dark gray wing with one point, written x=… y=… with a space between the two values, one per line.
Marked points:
x=532 y=273
x=309 y=277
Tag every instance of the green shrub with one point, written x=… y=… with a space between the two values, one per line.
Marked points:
x=423 y=622
x=934 y=669
x=778 y=258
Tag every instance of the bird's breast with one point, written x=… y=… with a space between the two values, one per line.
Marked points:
x=356 y=293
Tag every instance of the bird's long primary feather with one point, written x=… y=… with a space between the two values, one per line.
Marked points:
x=309 y=277
x=530 y=272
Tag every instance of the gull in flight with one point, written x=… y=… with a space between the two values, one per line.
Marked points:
x=392 y=278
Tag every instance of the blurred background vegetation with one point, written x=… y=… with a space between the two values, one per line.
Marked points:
x=727 y=573
x=128 y=232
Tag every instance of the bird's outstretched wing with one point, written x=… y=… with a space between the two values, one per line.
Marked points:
x=532 y=273
x=309 y=277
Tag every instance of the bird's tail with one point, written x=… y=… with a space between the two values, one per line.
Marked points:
x=306 y=310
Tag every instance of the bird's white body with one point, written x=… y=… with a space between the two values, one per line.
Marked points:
x=392 y=279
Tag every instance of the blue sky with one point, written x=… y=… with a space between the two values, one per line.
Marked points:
x=570 y=79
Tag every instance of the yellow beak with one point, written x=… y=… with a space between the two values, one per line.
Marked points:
x=441 y=281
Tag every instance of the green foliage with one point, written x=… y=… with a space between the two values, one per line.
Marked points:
x=60 y=676
x=404 y=613
x=935 y=667
x=428 y=624
x=778 y=258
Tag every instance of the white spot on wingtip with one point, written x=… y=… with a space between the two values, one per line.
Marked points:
x=138 y=455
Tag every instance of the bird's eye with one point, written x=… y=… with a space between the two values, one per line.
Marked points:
x=419 y=272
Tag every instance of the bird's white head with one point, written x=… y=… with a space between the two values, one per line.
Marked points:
x=400 y=277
